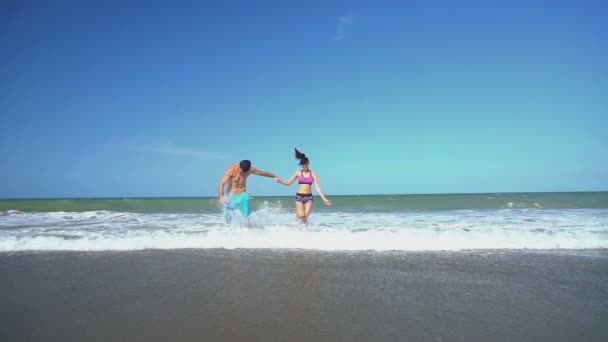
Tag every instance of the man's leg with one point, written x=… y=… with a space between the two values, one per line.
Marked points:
x=246 y=210
x=228 y=209
x=241 y=203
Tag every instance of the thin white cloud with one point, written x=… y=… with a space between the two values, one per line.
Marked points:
x=174 y=150
x=343 y=22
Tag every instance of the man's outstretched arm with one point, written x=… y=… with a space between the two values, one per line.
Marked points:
x=262 y=173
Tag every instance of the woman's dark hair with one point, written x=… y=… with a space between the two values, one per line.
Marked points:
x=302 y=157
x=245 y=165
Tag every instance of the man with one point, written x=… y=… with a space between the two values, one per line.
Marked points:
x=236 y=178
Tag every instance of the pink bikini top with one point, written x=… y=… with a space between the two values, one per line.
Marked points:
x=305 y=180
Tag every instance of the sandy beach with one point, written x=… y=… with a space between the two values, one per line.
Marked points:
x=265 y=295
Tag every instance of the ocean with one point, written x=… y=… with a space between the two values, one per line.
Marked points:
x=474 y=267
x=451 y=222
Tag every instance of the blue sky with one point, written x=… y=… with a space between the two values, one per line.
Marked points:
x=133 y=98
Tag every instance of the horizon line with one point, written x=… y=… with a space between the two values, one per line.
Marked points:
x=342 y=195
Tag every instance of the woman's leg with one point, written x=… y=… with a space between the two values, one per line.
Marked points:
x=307 y=210
x=300 y=214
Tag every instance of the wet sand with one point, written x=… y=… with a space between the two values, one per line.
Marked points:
x=263 y=295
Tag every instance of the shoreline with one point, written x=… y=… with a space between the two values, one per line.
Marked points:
x=598 y=252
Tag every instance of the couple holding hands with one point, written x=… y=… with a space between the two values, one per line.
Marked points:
x=238 y=199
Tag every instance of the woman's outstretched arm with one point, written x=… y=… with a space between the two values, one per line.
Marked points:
x=291 y=180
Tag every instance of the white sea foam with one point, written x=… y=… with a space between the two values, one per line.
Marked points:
x=272 y=228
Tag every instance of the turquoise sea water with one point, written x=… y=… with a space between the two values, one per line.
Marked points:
x=363 y=203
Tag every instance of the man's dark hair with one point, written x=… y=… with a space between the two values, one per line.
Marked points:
x=245 y=165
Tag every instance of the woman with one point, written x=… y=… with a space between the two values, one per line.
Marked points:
x=305 y=178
